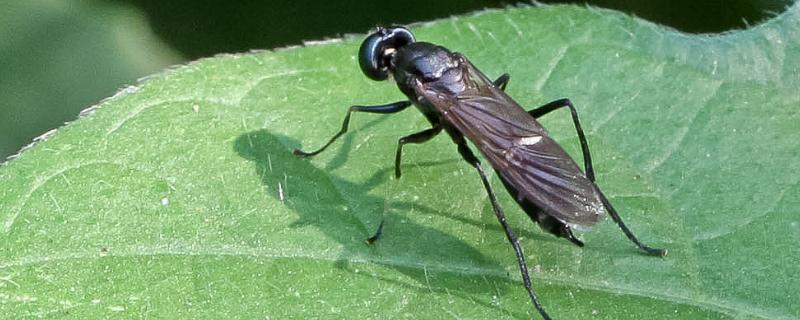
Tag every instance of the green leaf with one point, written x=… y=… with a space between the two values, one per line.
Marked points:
x=180 y=198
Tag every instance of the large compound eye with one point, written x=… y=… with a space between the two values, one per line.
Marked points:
x=377 y=49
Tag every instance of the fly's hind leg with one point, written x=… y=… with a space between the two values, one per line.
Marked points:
x=587 y=159
x=554 y=105
x=614 y=215
x=467 y=154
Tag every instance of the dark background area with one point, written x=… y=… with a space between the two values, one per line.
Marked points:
x=59 y=57
x=199 y=30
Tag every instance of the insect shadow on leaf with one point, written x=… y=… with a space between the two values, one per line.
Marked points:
x=320 y=204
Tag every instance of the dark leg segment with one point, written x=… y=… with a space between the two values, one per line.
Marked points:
x=502 y=81
x=467 y=154
x=419 y=137
x=545 y=109
x=587 y=160
x=614 y=215
x=386 y=108
x=571 y=237
x=377 y=234
x=537 y=215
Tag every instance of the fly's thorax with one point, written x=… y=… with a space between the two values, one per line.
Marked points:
x=421 y=62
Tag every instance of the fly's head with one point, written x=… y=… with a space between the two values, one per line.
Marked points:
x=378 y=50
x=394 y=51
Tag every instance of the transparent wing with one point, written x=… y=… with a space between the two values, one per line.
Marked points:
x=519 y=149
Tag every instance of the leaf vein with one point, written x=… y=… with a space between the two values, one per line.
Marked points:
x=729 y=307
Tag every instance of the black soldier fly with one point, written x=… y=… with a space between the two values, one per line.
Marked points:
x=458 y=98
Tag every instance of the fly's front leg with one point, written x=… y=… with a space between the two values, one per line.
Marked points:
x=419 y=137
x=545 y=109
x=385 y=108
x=377 y=235
x=467 y=154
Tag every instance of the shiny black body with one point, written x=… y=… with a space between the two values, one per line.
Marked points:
x=456 y=96
x=458 y=99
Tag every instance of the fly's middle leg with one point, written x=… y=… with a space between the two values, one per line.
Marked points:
x=419 y=137
x=470 y=157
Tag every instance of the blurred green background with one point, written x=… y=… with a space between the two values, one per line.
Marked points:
x=58 y=57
